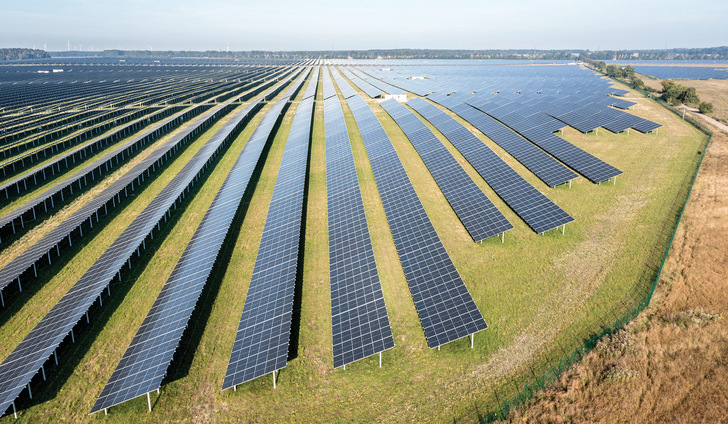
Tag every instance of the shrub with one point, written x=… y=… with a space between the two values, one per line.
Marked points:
x=705 y=107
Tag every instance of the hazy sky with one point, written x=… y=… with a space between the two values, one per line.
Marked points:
x=339 y=25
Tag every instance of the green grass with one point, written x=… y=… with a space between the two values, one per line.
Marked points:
x=539 y=294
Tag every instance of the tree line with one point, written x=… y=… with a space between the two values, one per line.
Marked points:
x=19 y=54
x=672 y=92
x=718 y=53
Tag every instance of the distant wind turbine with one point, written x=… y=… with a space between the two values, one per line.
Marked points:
x=69 y=45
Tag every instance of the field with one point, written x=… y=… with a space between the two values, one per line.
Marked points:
x=712 y=91
x=670 y=363
x=539 y=294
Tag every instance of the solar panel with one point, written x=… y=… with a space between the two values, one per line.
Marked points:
x=477 y=213
x=145 y=362
x=536 y=210
x=446 y=310
x=26 y=359
x=328 y=84
x=360 y=325
x=262 y=340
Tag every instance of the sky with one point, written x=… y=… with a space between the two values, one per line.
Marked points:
x=358 y=25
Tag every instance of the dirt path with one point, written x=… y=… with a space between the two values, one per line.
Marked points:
x=671 y=365
x=721 y=126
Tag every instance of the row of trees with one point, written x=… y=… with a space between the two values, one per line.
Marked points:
x=678 y=94
x=511 y=54
x=19 y=54
x=673 y=93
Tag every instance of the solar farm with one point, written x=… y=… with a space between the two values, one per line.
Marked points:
x=315 y=240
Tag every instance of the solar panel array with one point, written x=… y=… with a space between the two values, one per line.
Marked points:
x=24 y=215
x=540 y=132
x=536 y=210
x=364 y=86
x=111 y=196
x=446 y=310
x=684 y=72
x=49 y=198
x=26 y=359
x=346 y=90
x=381 y=85
x=145 y=362
x=548 y=169
x=262 y=341
x=360 y=325
x=477 y=213
x=528 y=95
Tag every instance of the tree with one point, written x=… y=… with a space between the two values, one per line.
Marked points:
x=666 y=84
x=614 y=71
x=705 y=107
x=638 y=83
x=688 y=96
x=629 y=72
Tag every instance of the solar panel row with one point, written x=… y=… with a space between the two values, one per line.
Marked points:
x=27 y=358
x=328 y=84
x=477 y=213
x=364 y=86
x=591 y=167
x=381 y=85
x=145 y=362
x=545 y=167
x=360 y=325
x=536 y=210
x=446 y=310
x=262 y=340
x=344 y=87
x=313 y=85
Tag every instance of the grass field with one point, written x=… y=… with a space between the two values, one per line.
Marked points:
x=712 y=91
x=530 y=289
